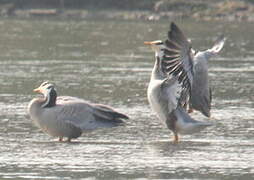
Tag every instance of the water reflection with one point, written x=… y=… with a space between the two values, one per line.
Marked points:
x=104 y=62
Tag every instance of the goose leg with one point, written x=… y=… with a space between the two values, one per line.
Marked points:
x=60 y=139
x=69 y=140
x=176 y=139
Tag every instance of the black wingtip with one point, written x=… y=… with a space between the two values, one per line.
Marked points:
x=118 y=118
x=174 y=27
x=123 y=116
x=177 y=36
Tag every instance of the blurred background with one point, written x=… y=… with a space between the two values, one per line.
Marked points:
x=93 y=49
x=132 y=9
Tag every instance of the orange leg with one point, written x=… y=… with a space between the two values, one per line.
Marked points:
x=60 y=139
x=69 y=140
x=176 y=139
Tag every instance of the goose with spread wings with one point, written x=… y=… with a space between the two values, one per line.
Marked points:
x=171 y=81
x=66 y=116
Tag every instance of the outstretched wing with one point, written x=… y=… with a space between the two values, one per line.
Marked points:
x=177 y=61
x=218 y=45
x=201 y=91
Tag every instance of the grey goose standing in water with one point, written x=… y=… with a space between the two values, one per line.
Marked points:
x=67 y=116
x=201 y=93
x=171 y=82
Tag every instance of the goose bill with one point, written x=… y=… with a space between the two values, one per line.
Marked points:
x=151 y=42
x=38 y=90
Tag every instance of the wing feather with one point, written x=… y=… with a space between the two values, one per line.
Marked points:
x=86 y=115
x=201 y=91
x=177 y=61
x=171 y=92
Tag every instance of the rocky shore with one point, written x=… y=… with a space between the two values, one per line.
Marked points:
x=233 y=10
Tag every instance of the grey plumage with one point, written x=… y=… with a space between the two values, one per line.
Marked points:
x=171 y=82
x=70 y=116
x=201 y=93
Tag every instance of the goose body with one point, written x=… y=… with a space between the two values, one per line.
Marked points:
x=67 y=116
x=171 y=82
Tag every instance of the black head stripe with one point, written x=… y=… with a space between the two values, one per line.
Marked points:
x=50 y=87
x=44 y=83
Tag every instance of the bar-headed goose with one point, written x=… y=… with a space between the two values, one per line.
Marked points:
x=171 y=81
x=66 y=116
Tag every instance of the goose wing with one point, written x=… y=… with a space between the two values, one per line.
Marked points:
x=177 y=61
x=170 y=94
x=218 y=45
x=85 y=115
x=201 y=96
x=201 y=91
x=106 y=112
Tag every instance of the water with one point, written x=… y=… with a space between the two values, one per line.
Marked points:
x=106 y=62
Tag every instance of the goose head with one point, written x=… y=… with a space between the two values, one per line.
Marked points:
x=49 y=93
x=157 y=46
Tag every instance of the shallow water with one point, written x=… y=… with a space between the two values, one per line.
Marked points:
x=106 y=62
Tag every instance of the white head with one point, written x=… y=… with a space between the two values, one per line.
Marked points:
x=49 y=93
x=44 y=88
x=157 y=46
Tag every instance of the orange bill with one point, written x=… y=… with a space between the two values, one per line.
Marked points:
x=37 y=90
x=149 y=42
